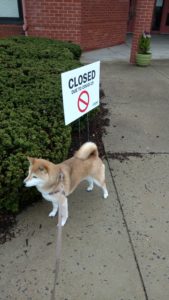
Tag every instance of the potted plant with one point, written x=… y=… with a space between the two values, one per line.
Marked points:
x=143 y=57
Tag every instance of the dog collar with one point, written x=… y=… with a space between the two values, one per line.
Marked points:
x=56 y=192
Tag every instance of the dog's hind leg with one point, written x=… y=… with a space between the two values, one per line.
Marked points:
x=100 y=181
x=105 y=191
x=90 y=186
x=103 y=187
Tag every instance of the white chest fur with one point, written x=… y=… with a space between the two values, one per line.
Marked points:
x=49 y=197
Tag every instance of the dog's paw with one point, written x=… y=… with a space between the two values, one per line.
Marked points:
x=89 y=188
x=63 y=222
x=52 y=214
x=105 y=195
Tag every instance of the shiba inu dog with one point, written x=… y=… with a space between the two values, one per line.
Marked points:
x=56 y=181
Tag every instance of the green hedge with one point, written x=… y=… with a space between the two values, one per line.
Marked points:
x=31 y=113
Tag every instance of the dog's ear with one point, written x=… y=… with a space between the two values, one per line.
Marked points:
x=31 y=160
x=61 y=175
x=43 y=169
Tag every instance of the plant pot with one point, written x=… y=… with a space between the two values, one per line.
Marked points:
x=143 y=59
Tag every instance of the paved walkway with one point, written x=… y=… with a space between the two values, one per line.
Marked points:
x=159 y=47
x=114 y=249
x=138 y=103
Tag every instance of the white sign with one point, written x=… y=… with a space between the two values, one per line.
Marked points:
x=80 y=91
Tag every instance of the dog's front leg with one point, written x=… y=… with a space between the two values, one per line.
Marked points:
x=55 y=209
x=63 y=209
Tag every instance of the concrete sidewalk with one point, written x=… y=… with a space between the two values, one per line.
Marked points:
x=138 y=104
x=121 y=53
x=114 y=249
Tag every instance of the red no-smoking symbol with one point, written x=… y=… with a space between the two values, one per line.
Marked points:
x=83 y=101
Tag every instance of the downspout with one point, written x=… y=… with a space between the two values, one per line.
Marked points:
x=25 y=24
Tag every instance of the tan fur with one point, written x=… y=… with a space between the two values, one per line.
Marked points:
x=86 y=150
x=68 y=174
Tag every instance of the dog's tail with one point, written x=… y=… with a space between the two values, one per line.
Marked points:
x=86 y=150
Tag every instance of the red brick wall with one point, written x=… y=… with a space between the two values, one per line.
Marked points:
x=58 y=19
x=91 y=23
x=10 y=30
x=104 y=23
x=143 y=22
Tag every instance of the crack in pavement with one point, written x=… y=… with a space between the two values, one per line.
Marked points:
x=127 y=229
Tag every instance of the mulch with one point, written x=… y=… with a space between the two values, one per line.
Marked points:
x=7 y=222
x=122 y=156
x=93 y=131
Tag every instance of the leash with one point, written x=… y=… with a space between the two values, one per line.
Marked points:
x=58 y=247
x=59 y=227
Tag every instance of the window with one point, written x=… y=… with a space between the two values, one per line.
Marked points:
x=159 y=3
x=158 y=10
x=10 y=11
x=167 y=20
